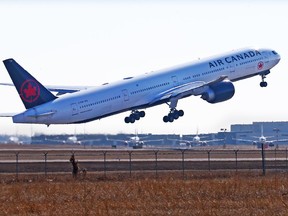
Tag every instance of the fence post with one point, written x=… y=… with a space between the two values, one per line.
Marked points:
x=275 y=155
x=45 y=163
x=236 y=158
x=263 y=159
x=208 y=152
x=104 y=155
x=286 y=158
x=156 y=162
x=17 y=167
x=130 y=167
x=183 y=162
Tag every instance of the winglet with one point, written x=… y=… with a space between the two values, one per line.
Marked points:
x=31 y=92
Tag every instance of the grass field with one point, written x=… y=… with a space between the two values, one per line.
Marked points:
x=242 y=193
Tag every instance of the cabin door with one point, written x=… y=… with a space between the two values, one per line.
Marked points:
x=174 y=80
x=125 y=94
x=74 y=108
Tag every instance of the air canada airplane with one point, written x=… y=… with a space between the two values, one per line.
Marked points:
x=210 y=78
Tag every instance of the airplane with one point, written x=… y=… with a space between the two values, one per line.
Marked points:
x=17 y=140
x=134 y=141
x=211 y=78
x=262 y=140
x=73 y=140
x=196 y=141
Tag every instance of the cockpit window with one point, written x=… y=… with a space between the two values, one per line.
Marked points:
x=275 y=53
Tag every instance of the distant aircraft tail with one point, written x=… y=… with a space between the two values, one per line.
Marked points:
x=31 y=92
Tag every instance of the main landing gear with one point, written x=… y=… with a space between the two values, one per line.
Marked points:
x=134 y=116
x=174 y=114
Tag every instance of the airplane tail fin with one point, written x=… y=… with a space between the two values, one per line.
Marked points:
x=31 y=92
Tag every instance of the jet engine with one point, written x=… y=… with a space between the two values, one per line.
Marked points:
x=219 y=92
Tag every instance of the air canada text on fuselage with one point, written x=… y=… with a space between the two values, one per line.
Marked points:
x=234 y=58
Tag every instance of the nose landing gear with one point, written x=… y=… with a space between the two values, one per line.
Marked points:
x=263 y=83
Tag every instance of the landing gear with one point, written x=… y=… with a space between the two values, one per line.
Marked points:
x=263 y=83
x=174 y=114
x=134 y=116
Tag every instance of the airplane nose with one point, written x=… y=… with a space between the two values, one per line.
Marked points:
x=278 y=58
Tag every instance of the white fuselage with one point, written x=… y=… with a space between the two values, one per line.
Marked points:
x=140 y=92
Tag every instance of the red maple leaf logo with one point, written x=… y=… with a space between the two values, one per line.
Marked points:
x=30 y=91
x=260 y=65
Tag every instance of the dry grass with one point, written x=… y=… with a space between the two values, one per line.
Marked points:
x=199 y=194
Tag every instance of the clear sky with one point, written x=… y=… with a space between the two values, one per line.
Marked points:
x=93 y=42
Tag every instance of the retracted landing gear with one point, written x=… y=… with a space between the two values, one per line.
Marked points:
x=134 y=116
x=174 y=114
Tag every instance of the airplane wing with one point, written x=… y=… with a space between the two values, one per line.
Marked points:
x=117 y=140
x=213 y=140
x=66 y=89
x=244 y=140
x=59 y=89
x=193 y=88
x=279 y=140
x=7 y=114
x=156 y=140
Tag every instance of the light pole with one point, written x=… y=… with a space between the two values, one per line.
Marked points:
x=277 y=133
x=224 y=132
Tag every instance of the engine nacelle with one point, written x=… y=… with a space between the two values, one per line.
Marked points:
x=219 y=92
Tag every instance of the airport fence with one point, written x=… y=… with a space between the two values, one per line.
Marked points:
x=141 y=160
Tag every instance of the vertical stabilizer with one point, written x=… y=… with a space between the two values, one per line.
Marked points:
x=262 y=133
x=31 y=92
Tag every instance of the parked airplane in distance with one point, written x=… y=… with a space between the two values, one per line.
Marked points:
x=133 y=141
x=17 y=140
x=210 y=78
x=73 y=140
x=262 y=140
x=196 y=140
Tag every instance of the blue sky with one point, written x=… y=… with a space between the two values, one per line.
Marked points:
x=93 y=42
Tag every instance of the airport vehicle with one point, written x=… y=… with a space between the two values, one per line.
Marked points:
x=211 y=78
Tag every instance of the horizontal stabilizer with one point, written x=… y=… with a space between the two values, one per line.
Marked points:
x=59 y=89
x=7 y=114
x=42 y=114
